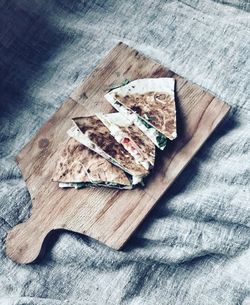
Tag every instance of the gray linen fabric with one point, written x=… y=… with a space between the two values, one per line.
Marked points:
x=194 y=246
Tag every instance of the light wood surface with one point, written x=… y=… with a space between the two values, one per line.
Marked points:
x=108 y=215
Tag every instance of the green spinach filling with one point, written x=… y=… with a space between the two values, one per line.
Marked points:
x=145 y=123
x=161 y=140
x=80 y=185
x=125 y=82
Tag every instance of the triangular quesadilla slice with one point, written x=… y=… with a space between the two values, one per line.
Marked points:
x=131 y=138
x=77 y=166
x=149 y=103
x=92 y=133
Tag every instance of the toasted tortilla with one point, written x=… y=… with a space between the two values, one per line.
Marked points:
x=92 y=133
x=78 y=166
x=150 y=104
x=131 y=137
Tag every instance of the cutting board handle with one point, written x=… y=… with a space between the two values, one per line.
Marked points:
x=25 y=240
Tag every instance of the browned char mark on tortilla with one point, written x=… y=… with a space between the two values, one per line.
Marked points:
x=158 y=108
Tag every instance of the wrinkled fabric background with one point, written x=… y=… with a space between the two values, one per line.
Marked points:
x=193 y=248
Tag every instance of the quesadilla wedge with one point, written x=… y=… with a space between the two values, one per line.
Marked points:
x=149 y=103
x=78 y=167
x=131 y=138
x=92 y=133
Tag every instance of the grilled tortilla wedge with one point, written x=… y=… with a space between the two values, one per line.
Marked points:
x=78 y=167
x=92 y=133
x=150 y=104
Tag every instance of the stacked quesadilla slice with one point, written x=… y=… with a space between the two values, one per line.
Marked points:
x=149 y=103
x=91 y=132
x=78 y=166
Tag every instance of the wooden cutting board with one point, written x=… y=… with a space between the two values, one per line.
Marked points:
x=107 y=215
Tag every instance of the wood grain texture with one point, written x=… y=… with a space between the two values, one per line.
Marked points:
x=108 y=215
